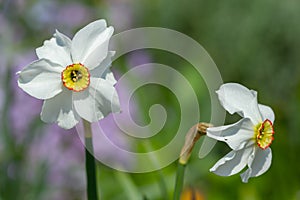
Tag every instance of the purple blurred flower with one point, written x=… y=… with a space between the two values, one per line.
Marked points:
x=61 y=151
x=5 y=43
x=2 y=98
x=120 y=13
x=108 y=139
x=42 y=14
x=137 y=58
x=73 y=15
x=23 y=108
x=63 y=154
x=53 y=14
x=3 y=23
x=111 y=142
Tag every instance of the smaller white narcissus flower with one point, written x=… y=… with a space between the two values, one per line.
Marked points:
x=248 y=138
x=73 y=76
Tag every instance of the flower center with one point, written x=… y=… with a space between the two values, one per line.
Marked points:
x=264 y=134
x=76 y=77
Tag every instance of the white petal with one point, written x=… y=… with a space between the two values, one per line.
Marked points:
x=106 y=95
x=232 y=163
x=237 y=136
x=59 y=110
x=41 y=79
x=102 y=70
x=97 y=101
x=85 y=106
x=260 y=163
x=90 y=44
x=57 y=49
x=109 y=77
x=236 y=98
x=266 y=112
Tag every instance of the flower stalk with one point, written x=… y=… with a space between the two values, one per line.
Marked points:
x=90 y=163
x=179 y=181
x=192 y=136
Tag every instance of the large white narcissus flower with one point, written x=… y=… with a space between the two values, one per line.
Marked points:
x=73 y=76
x=248 y=138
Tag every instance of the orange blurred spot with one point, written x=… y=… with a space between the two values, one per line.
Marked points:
x=191 y=194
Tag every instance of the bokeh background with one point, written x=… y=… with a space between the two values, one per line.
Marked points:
x=255 y=43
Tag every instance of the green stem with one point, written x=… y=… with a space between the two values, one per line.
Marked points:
x=162 y=183
x=131 y=191
x=90 y=163
x=179 y=181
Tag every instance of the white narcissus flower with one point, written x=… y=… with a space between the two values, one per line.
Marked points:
x=248 y=138
x=73 y=76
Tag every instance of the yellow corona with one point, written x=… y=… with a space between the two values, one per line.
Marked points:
x=76 y=77
x=263 y=134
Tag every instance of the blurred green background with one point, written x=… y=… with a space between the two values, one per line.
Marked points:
x=255 y=43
